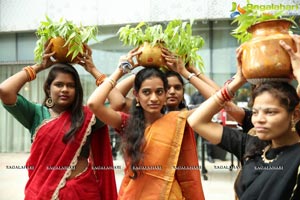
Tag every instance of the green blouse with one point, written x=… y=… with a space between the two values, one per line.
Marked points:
x=31 y=115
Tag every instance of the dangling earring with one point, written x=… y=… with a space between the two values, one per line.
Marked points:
x=49 y=102
x=137 y=104
x=293 y=128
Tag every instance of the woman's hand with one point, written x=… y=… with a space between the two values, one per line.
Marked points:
x=129 y=61
x=86 y=59
x=132 y=55
x=47 y=60
x=173 y=62
x=191 y=68
x=239 y=74
x=294 y=55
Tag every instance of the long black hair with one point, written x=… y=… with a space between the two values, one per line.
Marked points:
x=77 y=115
x=133 y=140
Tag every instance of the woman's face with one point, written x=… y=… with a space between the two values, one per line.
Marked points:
x=62 y=91
x=175 y=92
x=271 y=120
x=152 y=95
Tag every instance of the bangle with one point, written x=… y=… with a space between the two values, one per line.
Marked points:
x=231 y=94
x=218 y=100
x=100 y=79
x=190 y=76
x=125 y=66
x=225 y=94
x=111 y=81
x=229 y=80
x=218 y=96
x=31 y=74
x=198 y=74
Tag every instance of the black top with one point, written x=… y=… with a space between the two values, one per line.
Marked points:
x=259 y=180
x=247 y=123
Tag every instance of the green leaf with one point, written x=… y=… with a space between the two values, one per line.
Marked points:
x=176 y=36
x=75 y=35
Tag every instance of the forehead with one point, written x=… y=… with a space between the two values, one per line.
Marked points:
x=153 y=82
x=64 y=77
x=266 y=100
x=173 y=80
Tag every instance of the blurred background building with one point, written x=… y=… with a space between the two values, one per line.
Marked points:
x=20 y=18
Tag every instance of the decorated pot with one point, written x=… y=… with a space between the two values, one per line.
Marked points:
x=151 y=55
x=263 y=58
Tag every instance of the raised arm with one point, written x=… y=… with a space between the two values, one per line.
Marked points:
x=295 y=58
x=11 y=86
x=201 y=119
x=237 y=113
x=96 y=101
x=124 y=86
x=115 y=97
x=206 y=86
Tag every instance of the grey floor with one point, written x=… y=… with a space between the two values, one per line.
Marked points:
x=12 y=181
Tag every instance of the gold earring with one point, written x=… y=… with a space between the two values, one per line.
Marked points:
x=293 y=128
x=49 y=102
x=137 y=104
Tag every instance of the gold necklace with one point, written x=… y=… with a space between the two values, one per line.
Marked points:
x=264 y=158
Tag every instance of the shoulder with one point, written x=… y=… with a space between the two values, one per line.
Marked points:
x=172 y=114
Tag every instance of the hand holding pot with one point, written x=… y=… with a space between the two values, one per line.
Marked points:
x=239 y=75
x=85 y=59
x=47 y=59
x=191 y=68
x=294 y=55
x=129 y=61
x=173 y=62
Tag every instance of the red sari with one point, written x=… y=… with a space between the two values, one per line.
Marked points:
x=51 y=161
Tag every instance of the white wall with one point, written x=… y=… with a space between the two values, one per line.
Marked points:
x=22 y=15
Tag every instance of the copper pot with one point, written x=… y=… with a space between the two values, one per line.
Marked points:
x=61 y=51
x=263 y=58
x=151 y=55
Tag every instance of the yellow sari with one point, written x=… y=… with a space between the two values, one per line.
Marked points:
x=169 y=169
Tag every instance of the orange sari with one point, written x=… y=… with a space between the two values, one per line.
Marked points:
x=170 y=167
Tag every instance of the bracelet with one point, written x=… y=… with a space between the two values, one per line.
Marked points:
x=229 y=80
x=218 y=100
x=100 y=79
x=198 y=74
x=190 y=76
x=31 y=74
x=111 y=81
x=225 y=94
x=231 y=94
x=218 y=96
x=125 y=66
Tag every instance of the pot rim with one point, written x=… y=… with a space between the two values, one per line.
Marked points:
x=266 y=21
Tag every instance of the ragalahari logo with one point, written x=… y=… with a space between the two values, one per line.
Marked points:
x=236 y=10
